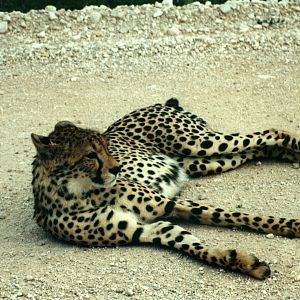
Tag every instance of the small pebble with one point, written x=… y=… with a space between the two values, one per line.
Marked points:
x=270 y=236
x=52 y=15
x=3 y=26
x=158 y=13
x=296 y=165
x=2 y=215
x=167 y=3
x=50 y=8
x=95 y=17
x=41 y=34
x=225 y=8
x=173 y=30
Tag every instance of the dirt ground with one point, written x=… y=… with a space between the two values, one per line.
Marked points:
x=243 y=92
x=234 y=98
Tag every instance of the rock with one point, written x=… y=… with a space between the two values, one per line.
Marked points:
x=7 y=18
x=2 y=215
x=118 y=14
x=158 y=13
x=129 y=292
x=270 y=236
x=295 y=275
x=225 y=8
x=52 y=15
x=174 y=30
x=23 y=24
x=41 y=34
x=3 y=26
x=50 y=8
x=95 y=17
x=243 y=28
x=296 y=165
x=257 y=26
x=167 y=3
x=262 y=76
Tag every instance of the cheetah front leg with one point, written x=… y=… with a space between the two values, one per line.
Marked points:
x=173 y=236
x=112 y=226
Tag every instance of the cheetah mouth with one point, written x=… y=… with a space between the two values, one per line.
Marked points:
x=104 y=184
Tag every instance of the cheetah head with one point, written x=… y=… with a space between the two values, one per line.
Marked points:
x=75 y=159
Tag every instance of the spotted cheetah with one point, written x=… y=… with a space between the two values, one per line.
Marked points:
x=119 y=187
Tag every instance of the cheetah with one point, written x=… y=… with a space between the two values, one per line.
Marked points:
x=121 y=187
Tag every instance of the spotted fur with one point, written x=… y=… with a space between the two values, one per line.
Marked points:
x=118 y=187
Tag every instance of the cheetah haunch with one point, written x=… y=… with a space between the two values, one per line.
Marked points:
x=117 y=188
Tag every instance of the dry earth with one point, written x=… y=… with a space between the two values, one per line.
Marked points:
x=236 y=88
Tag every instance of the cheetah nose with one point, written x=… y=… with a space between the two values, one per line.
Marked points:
x=115 y=170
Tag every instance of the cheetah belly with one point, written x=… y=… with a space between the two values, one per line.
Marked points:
x=160 y=172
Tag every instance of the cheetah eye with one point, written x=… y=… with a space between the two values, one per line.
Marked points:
x=91 y=155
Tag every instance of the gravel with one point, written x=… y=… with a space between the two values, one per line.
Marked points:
x=237 y=65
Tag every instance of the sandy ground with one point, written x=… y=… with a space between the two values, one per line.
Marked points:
x=33 y=265
x=244 y=92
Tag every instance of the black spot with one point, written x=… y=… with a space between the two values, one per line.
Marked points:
x=177 y=146
x=233 y=255
x=149 y=208
x=156 y=241
x=286 y=140
x=186 y=152
x=179 y=239
x=201 y=153
x=206 y=144
x=109 y=226
x=169 y=207
x=137 y=234
x=193 y=168
x=228 y=137
x=171 y=244
x=58 y=213
x=130 y=197
x=246 y=142
x=236 y=214
x=70 y=225
x=223 y=147
x=136 y=210
x=109 y=216
x=167 y=228
x=113 y=237
x=185 y=246
x=219 y=170
x=202 y=167
x=122 y=225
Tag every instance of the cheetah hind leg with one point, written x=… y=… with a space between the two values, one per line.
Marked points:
x=166 y=234
x=209 y=215
x=196 y=167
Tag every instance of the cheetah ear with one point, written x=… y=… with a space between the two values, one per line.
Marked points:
x=45 y=148
x=63 y=124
